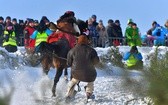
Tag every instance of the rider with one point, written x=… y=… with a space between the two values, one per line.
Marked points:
x=64 y=34
x=40 y=35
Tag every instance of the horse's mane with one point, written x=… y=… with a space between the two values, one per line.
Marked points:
x=82 y=25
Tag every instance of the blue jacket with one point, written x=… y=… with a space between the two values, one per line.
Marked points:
x=34 y=35
x=138 y=56
x=132 y=59
x=161 y=34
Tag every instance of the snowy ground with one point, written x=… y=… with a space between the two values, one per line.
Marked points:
x=32 y=88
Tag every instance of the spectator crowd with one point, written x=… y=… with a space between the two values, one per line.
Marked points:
x=15 y=33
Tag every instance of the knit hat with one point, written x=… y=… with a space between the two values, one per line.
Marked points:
x=94 y=16
x=1 y=18
x=36 y=21
x=70 y=13
x=14 y=19
x=154 y=23
x=129 y=21
x=29 y=20
x=44 y=19
x=21 y=21
x=8 y=17
x=117 y=21
x=110 y=21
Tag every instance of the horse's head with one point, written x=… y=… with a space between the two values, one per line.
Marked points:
x=83 y=27
x=68 y=24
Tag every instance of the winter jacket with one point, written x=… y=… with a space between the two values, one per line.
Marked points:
x=132 y=59
x=110 y=30
x=102 y=36
x=54 y=37
x=118 y=31
x=10 y=38
x=132 y=37
x=82 y=59
x=159 y=35
x=92 y=31
x=28 y=42
x=40 y=37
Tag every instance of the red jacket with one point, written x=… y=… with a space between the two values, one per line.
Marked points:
x=29 y=43
x=54 y=37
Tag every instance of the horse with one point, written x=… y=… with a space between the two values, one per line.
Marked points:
x=55 y=50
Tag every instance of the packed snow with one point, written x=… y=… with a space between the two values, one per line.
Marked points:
x=28 y=86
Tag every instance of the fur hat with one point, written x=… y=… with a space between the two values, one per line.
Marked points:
x=83 y=39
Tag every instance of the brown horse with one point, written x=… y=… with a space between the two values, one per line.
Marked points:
x=56 y=50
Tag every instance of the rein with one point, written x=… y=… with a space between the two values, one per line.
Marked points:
x=55 y=55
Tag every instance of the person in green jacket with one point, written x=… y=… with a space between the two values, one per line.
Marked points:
x=133 y=58
x=132 y=35
x=9 y=38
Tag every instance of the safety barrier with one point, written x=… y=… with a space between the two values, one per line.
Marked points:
x=118 y=41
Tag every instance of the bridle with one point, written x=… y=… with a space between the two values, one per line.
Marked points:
x=68 y=32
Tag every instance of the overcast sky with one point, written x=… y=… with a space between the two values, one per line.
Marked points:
x=143 y=12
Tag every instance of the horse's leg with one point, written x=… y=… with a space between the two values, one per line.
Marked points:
x=56 y=79
x=66 y=74
x=45 y=67
x=46 y=64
